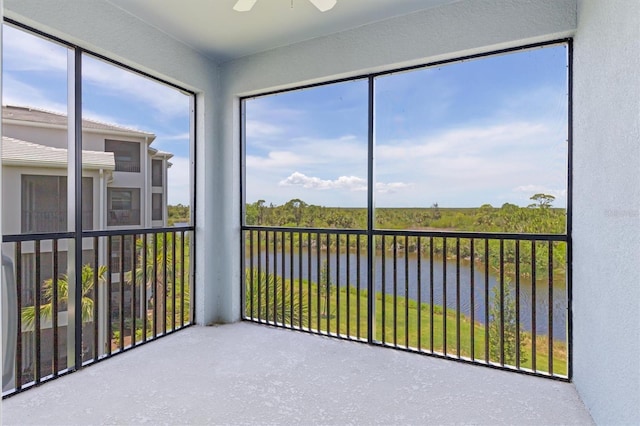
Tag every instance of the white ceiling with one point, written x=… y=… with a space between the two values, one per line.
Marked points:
x=215 y=29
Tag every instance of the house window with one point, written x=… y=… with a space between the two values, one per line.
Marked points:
x=156 y=207
x=127 y=155
x=156 y=172
x=124 y=206
x=44 y=203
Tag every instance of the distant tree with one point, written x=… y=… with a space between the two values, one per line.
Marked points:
x=260 y=206
x=296 y=207
x=435 y=211
x=543 y=201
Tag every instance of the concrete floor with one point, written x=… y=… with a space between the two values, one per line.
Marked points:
x=251 y=374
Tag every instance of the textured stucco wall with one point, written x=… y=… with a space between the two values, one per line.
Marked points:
x=448 y=31
x=100 y=27
x=606 y=214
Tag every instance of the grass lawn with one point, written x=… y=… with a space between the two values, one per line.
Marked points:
x=405 y=325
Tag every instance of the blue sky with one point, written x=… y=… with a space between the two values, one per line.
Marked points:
x=491 y=130
x=35 y=74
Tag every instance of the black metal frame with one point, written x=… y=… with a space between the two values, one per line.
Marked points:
x=371 y=232
x=78 y=234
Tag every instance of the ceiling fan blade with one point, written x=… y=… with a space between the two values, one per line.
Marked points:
x=244 y=5
x=324 y=5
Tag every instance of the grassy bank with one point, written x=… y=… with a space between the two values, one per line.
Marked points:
x=406 y=324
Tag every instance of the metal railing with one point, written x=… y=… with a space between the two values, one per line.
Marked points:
x=127 y=166
x=149 y=296
x=494 y=299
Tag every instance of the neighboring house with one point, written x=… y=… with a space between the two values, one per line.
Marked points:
x=125 y=178
x=124 y=186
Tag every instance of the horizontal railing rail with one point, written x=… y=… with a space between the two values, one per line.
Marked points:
x=497 y=299
x=128 y=298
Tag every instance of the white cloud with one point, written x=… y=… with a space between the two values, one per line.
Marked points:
x=277 y=160
x=18 y=93
x=257 y=129
x=165 y=101
x=347 y=183
x=27 y=53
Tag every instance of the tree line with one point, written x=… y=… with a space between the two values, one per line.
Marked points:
x=538 y=217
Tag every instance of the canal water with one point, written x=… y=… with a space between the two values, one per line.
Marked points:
x=444 y=276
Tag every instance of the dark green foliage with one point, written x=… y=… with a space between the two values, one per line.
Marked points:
x=271 y=299
x=178 y=214
x=538 y=217
x=510 y=327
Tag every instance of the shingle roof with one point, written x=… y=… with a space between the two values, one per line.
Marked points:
x=16 y=151
x=35 y=115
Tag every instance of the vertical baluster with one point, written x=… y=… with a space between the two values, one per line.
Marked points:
x=18 y=371
x=550 y=313
x=328 y=284
x=145 y=280
x=502 y=302
x=533 y=305
x=109 y=293
x=275 y=277
x=309 y=302
x=406 y=291
x=134 y=290
x=318 y=278
x=472 y=300
x=154 y=278
x=444 y=295
x=300 y=293
x=283 y=303
x=486 y=300
x=348 y=252
x=518 y=337
x=260 y=275
x=96 y=298
x=338 y=284
x=395 y=291
x=38 y=325
x=431 y=294
x=165 y=283
x=267 y=267
x=184 y=280
x=384 y=288
x=458 y=297
x=251 y=288
x=122 y=266
x=173 y=279
x=358 y=285
x=54 y=307
x=419 y=289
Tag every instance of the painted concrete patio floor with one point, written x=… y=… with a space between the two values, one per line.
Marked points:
x=245 y=373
